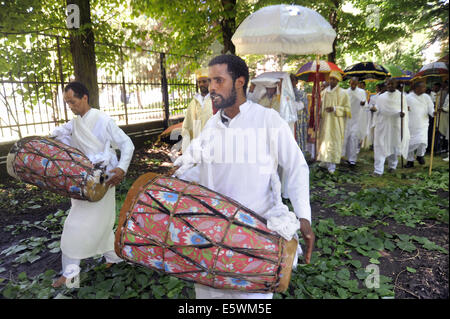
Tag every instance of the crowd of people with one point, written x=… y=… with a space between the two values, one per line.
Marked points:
x=268 y=164
x=392 y=121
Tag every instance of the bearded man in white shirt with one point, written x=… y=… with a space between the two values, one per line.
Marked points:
x=420 y=107
x=88 y=229
x=246 y=171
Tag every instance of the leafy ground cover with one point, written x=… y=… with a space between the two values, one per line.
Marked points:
x=375 y=238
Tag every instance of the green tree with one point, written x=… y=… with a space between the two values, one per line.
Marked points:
x=82 y=47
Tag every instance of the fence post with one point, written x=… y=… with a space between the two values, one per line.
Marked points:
x=61 y=76
x=164 y=90
x=124 y=90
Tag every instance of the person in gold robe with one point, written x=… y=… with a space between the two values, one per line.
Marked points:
x=198 y=112
x=335 y=110
x=271 y=99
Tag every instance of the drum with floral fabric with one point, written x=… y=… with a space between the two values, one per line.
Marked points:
x=199 y=235
x=57 y=167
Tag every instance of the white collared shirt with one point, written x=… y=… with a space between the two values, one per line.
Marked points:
x=237 y=159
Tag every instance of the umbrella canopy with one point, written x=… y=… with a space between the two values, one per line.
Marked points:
x=398 y=73
x=366 y=71
x=438 y=69
x=288 y=109
x=308 y=70
x=284 y=29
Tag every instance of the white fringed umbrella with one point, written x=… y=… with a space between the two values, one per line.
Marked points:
x=284 y=29
x=287 y=29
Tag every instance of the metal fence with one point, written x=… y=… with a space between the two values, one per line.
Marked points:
x=135 y=85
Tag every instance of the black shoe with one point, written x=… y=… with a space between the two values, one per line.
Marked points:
x=409 y=164
x=391 y=170
x=375 y=174
x=421 y=160
x=352 y=165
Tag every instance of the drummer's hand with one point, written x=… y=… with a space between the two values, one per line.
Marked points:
x=308 y=236
x=329 y=109
x=116 y=177
x=172 y=171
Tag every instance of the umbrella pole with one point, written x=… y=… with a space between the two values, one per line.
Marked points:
x=401 y=124
x=316 y=107
x=434 y=134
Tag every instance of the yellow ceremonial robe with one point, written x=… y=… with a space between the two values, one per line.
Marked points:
x=271 y=104
x=197 y=114
x=332 y=125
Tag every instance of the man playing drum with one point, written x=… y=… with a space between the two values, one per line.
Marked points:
x=237 y=155
x=88 y=229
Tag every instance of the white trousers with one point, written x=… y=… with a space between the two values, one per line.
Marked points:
x=311 y=149
x=351 y=148
x=420 y=150
x=379 y=162
x=110 y=257
x=205 y=292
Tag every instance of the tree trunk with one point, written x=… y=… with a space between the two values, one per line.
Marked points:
x=333 y=19
x=228 y=25
x=82 y=47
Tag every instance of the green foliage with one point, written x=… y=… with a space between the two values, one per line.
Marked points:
x=121 y=281
x=26 y=197
x=409 y=204
x=52 y=224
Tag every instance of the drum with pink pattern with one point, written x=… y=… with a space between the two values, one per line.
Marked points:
x=196 y=234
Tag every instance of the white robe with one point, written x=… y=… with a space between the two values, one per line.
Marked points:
x=445 y=108
x=420 y=107
x=388 y=139
x=372 y=118
x=240 y=161
x=356 y=126
x=88 y=230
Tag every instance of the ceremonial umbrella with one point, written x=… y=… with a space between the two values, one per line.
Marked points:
x=287 y=29
x=366 y=71
x=437 y=69
x=308 y=71
x=398 y=73
x=284 y=29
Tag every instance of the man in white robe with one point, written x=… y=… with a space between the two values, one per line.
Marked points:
x=88 y=229
x=444 y=110
x=420 y=107
x=237 y=155
x=380 y=89
x=355 y=129
x=390 y=141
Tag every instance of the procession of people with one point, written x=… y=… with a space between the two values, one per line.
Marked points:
x=251 y=141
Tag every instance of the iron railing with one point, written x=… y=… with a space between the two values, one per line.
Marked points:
x=135 y=85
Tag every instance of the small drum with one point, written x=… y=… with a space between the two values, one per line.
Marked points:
x=56 y=167
x=196 y=234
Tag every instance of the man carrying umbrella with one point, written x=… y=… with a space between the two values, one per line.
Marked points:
x=355 y=130
x=390 y=139
x=421 y=106
x=333 y=114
